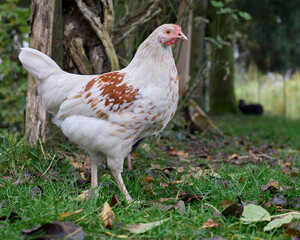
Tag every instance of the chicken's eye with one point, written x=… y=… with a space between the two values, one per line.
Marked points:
x=168 y=31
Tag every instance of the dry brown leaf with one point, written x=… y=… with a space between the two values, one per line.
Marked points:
x=163 y=184
x=2 y=186
x=115 y=201
x=157 y=167
x=234 y=156
x=174 y=151
x=179 y=207
x=226 y=203
x=148 y=179
x=107 y=216
x=272 y=186
x=56 y=230
x=209 y=224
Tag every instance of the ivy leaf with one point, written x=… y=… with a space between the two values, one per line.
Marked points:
x=217 y=4
x=254 y=213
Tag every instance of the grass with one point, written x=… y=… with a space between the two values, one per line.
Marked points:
x=279 y=97
x=245 y=180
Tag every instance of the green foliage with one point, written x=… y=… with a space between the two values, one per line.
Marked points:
x=13 y=32
x=272 y=37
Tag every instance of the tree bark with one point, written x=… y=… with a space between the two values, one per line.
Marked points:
x=183 y=49
x=198 y=53
x=221 y=85
x=41 y=39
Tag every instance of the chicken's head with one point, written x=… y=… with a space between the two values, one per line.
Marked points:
x=169 y=34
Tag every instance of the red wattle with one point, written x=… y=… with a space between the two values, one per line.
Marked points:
x=171 y=42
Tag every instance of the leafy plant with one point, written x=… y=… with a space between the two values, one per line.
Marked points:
x=13 y=35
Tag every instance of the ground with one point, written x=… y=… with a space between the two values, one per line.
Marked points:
x=256 y=161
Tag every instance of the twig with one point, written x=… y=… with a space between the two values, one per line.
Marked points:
x=102 y=30
x=79 y=56
x=207 y=204
x=131 y=21
x=49 y=165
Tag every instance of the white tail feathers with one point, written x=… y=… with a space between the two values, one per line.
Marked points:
x=38 y=64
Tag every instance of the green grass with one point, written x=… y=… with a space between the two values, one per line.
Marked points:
x=277 y=98
x=245 y=180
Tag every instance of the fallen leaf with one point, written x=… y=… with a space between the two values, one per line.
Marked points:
x=2 y=186
x=278 y=201
x=214 y=238
x=164 y=185
x=272 y=186
x=282 y=220
x=156 y=166
x=268 y=204
x=234 y=156
x=296 y=202
x=115 y=201
x=235 y=210
x=34 y=191
x=217 y=213
x=148 y=179
x=211 y=173
x=253 y=213
x=179 y=207
x=107 y=216
x=189 y=197
x=174 y=151
x=144 y=227
x=55 y=230
x=84 y=196
x=65 y=215
x=226 y=203
x=209 y=224
x=162 y=207
x=292 y=229
x=17 y=182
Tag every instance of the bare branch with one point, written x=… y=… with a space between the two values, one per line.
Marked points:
x=79 y=56
x=130 y=22
x=101 y=30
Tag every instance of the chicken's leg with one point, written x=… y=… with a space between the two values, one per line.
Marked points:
x=122 y=186
x=129 y=165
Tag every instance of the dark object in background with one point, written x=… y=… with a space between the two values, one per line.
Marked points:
x=134 y=146
x=247 y=109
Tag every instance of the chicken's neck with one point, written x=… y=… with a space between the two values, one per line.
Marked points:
x=153 y=59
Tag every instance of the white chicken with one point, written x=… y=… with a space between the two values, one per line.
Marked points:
x=107 y=114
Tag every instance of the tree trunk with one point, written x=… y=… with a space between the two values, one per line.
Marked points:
x=183 y=49
x=198 y=54
x=221 y=85
x=41 y=39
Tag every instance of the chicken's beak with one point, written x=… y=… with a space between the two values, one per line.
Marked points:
x=182 y=36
